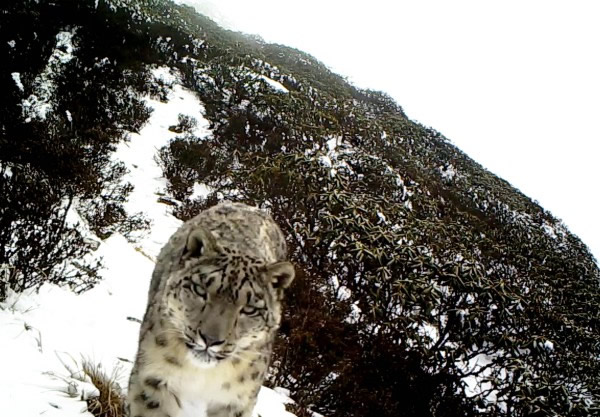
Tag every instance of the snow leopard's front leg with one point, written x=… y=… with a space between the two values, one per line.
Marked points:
x=230 y=411
x=150 y=397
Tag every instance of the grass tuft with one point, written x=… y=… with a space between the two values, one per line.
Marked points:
x=111 y=401
x=298 y=410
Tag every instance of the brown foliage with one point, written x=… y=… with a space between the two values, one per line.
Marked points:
x=111 y=401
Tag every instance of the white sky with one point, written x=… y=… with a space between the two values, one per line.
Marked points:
x=513 y=83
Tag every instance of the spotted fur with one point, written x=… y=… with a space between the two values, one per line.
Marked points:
x=214 y=306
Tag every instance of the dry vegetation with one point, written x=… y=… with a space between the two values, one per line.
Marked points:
x=111 y=401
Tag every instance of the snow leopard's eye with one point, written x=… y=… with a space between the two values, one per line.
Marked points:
x=198 y=290
x=250 y=311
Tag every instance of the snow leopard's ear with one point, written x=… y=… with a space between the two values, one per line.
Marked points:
x=280 y=274
x=200 y=242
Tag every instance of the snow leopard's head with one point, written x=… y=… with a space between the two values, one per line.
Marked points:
x=222 y=302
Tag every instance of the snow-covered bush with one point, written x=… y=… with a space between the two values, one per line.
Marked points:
x=418 y=299
x=75 y=99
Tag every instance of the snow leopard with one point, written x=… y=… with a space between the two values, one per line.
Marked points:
x=214 y=306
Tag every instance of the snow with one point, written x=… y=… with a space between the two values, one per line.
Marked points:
x=332 y=143
x=165 y=74
x=39 y=104
x=355 y=314
x=448 y=172
x=102 y=63
x=325 y=160
x=432 y=332
x=74 y=219
x=334 y=156
x=17 y=78
x=342 y=292
x=474 y=383
x=271 y=403
x=548 y=345
x=145 y=173
x=201 y=191
x=46 y=334
x=549 y=230
x=274 y=84
x=40 y=328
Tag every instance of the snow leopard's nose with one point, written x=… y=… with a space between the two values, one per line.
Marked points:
x=210 y=340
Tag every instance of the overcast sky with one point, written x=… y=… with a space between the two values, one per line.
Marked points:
x=515 y=83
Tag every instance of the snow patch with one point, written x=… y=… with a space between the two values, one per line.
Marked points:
x=6 y=171
x=165 y=74
x=102 y=63
x=333 y=143
x=139 y=155
x=274 y=84
x=474 y=383
x=38 y=327
x=549 y=230
x=331 y=159
x=548 y=345
x=271 y=403
x=39 y=104
x=355 y=313
x=448 y=172
x=17 y=79
x=201 y=191
x=325 y=160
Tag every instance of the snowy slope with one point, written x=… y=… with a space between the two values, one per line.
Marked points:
x=44 y=335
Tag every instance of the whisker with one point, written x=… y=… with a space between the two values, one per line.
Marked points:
x=178 y=334
x=170 y=331
x=244 y=359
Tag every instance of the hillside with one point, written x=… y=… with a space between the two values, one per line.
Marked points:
x=426 y=286
x=54 y=332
